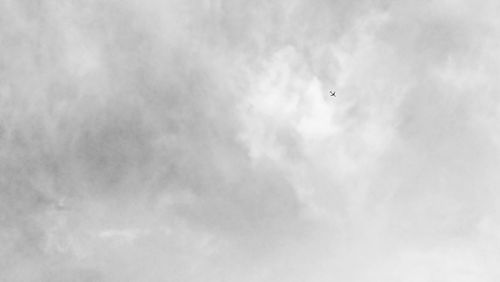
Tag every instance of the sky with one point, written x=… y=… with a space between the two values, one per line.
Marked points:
x=194 y=141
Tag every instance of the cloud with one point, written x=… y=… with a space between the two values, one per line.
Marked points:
x=196 y=141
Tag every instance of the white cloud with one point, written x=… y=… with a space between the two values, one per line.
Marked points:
x=199 y=142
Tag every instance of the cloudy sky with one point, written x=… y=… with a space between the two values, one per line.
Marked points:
x=187 y=140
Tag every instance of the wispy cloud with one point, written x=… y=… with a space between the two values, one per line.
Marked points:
x=196 y=141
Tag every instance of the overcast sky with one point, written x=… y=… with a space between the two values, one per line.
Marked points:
x=192 y=140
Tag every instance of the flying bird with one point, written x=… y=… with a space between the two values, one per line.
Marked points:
x=333 y=93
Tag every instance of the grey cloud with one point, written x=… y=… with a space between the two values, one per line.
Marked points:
x=194 y=141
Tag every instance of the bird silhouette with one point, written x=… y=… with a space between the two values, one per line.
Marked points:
x=333 y=93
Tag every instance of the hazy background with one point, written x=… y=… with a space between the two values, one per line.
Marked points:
x=192 y=140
